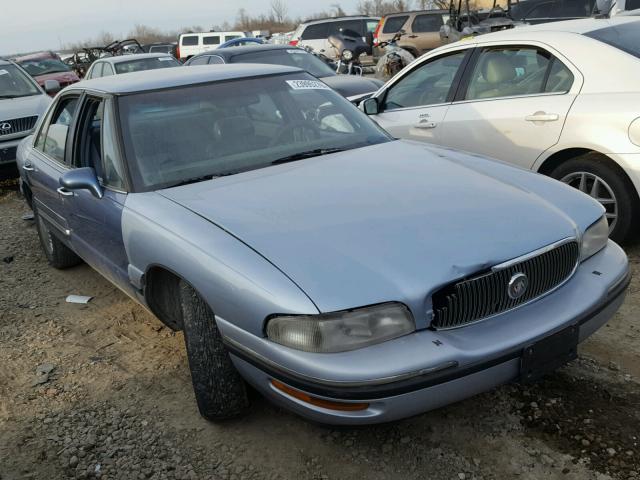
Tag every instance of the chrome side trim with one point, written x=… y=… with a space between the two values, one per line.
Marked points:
x=335 y=383
x=65 y=231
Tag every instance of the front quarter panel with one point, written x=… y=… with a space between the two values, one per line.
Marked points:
x=239 y=285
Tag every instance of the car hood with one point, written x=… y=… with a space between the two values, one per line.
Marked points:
x=390 y=222
x=351 y=85
x=23 y=106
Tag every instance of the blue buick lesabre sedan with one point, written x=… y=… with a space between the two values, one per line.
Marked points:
x=347 y=276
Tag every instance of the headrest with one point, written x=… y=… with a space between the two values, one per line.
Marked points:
x=498 y=69
x=236 y=126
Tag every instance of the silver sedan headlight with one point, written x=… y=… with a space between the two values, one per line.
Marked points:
x=341 y=331
x=594 y=238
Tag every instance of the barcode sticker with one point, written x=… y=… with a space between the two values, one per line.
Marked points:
x=307 y=85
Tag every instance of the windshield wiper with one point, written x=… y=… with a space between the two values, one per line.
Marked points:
x=308 y=154
x=200 y=179
x=5 y=97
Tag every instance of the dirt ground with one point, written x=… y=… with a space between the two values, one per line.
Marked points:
x=103 y=391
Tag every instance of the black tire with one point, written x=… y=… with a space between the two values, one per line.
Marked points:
x=57 y=253
x=220 y=391
x=625 y=228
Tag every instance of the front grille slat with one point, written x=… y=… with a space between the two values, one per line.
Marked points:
x=17 y=125
x=484 y=295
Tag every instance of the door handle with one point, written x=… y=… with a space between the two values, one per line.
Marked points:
x=425 y=125
x=542 y=117
x=27 y=167
x=413 y=36
x=65 y=192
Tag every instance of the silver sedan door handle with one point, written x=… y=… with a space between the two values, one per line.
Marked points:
x=425 y=125
x=27 y=167
x=65 y=192
x=542 y=117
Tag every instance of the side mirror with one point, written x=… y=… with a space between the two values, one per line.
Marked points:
x=82 y=179
x=52 y=87
x=370 y=106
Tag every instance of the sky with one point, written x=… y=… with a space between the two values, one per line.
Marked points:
x=29 y=25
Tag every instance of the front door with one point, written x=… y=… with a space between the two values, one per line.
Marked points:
x=415 y=105
x=514 y=107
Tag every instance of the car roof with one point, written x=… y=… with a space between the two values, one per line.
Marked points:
x=420 y=12
x=229 y=52
x=128 y=58
x=147 y=80
x=36 y=56
x=339 y=19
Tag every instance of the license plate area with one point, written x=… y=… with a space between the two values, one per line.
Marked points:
x=7 y=154
x=548 y=354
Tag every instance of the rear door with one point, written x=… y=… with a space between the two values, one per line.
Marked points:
x=415 y=104
x=48 y=160
x=425 y=31
x=315 y=36
x=513 y=103
x=211 y=42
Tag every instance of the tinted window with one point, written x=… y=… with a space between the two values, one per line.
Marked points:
x=293 y=57
x=215 y=40
x=427 y=23
x=428 y=84
x=371 y=25
x=560 y=78
x=44 y=66
x=394 y=24
x=160 y=49
x=215 y=60
x=190 y=40
x=200 y=60
x=55 y=138
x=356 y=26
x=146 y=64
x=15 y=83
x=231 y=37
x=198 y=131
x=315 y=32
x=508 y=72
x=625 y=36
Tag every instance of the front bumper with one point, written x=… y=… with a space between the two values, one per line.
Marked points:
x=8 y=151
x=429 y=369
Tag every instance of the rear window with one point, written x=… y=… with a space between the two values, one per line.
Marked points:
x=211 y=40
x=427 y=23
x=353 y=25
x=190 y=40
x=626 y=37
x=394 y=24
x=146 y=64
x=315 y=32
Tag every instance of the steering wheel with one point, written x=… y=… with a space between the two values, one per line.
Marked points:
x=303 y=131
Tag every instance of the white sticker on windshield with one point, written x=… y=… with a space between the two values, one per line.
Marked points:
x=307 y=85
x=4 y=72
x=165 y=59
x=296 y=50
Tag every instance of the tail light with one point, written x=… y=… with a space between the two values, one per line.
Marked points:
x=178 y=52
x=377 y=30
x=293 y=43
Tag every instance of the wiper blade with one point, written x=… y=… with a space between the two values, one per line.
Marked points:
x=308 y=154
x=200 y=179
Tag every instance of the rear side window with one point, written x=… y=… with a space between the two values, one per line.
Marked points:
x=211 y=40
x=560 y=78
x=190 y=40
x=625 y=37
x=394 y=24
x=352 y=25
x=315 y=32
x=200 y=61
x=426 y=23
x=231 y=37
x=97 y=70
x=107 y=71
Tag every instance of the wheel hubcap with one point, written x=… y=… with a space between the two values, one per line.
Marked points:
x=597 y=188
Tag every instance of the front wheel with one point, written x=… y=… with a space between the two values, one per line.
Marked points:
x=220 y=390
x=592 y=174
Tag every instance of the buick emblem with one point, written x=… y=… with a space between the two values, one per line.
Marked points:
x=5 y=126
x=517 y=286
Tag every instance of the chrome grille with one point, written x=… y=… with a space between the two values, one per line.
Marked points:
x=484 y=295
x=17 y=125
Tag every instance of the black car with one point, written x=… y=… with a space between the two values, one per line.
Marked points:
x=352 y=87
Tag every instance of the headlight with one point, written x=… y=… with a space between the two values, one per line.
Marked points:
x=347 y=54
x=594 y=238
x=341 y=331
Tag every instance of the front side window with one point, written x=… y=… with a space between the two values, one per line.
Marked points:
x=516 y=71
x=146 y=64
x=107 y=70
x=625 y=37
x=96 y=71
x=211 y=40
x=200 y=60
x=428 y=84
x=394 y=24
x=53 y=137
x=315 y=32
x=15 y=83
x=190 y=40
x=198 y=132
x=426 y=23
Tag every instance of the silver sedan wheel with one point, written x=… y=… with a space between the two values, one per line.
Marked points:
x=597 y=188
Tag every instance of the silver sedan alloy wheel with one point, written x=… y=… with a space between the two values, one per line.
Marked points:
x=597 y=188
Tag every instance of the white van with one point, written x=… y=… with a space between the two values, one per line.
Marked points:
x=190 y=44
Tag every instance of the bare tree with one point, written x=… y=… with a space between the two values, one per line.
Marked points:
x=337 y=11
x=279 y=11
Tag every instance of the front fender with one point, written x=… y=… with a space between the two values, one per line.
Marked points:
x=239 y=284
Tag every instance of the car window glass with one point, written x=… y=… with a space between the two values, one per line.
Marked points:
x=394 y=24
x=200 y=60
x=508 y=72
x=90 y=138
x=426 y=23
x=429 y=84
x=625 y=37
x=215 y=60
x=190 y=40
x=112 y=169
x=107 y=70
x=341 y=27
x=231 y=37
x=560 y=78
x=293 y=57
x=371 y=25
x=97 y=70
x=211 y=40
x=55 y=139
x=315 y=32
x=14 y=82
x=146 y=64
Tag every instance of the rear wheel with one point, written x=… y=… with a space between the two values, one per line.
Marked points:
x=594 y=175
x=57 y=253
x=219 y=389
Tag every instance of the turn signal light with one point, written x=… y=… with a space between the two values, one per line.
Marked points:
x=293 y=43
x=319 y=402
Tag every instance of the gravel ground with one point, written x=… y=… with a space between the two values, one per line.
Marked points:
x=103 y=391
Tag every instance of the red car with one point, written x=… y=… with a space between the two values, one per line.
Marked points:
x=47 y=66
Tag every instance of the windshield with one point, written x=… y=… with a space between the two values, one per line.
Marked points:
x=146 y=64
x=202 y=131
x=293 y=57
x=626 y=37
x=43 y=66
x=15 y=83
